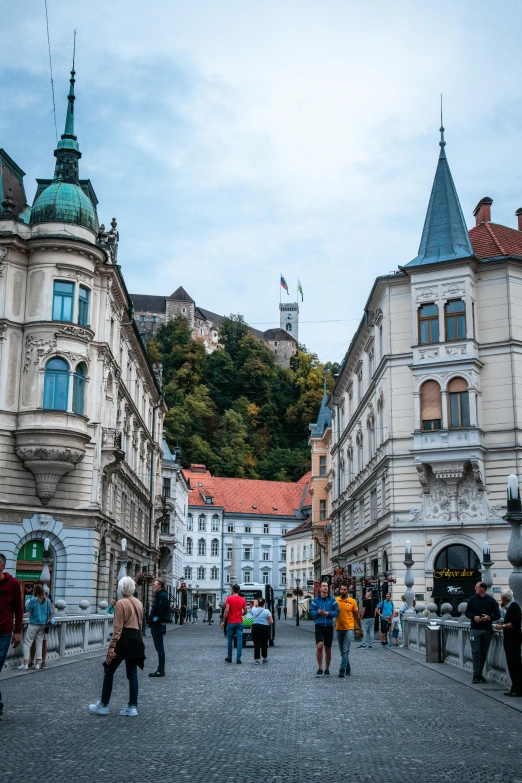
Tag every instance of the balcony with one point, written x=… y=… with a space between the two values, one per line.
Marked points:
x=50 y=444
x=112 y=452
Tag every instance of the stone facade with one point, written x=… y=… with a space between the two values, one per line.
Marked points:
x=80 y=409
x=174 y=500
x=300 y=566
x=320 y=442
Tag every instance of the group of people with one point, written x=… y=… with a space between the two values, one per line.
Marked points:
x=232 y=622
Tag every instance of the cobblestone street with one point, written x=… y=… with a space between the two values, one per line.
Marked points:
x=392 y=720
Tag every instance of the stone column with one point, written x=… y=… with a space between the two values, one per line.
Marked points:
x=487 y=562
x=408 y=579
x=514 y=552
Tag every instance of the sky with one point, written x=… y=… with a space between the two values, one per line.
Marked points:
x=235 y=141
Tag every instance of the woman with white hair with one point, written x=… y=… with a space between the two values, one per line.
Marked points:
x=512 y=640
x=126 y=645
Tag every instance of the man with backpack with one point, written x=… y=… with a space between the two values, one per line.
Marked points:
x=160 y=614
x=385 y=613
x=324 y=609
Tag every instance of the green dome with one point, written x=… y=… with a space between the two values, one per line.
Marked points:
x=64 y=202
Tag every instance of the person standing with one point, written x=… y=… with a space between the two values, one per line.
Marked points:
x=126 y=645
x=278 y=611
x=182 y=614
x=210 y=613
x=40 y=611
x=261 y=630
x=235 y=609
x=159 y=615
x=111 y=608
x=512 y=639
x=324 y=609
x=11 y=615
x=285 y=610
x=176 y=615
x=385 y=612
x=395 y=628
x=345 y=627
x=44 y=643
x=368 y=620
x=482 y=609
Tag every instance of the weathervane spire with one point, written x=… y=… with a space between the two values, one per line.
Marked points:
x=442 y=143
x=69 y=119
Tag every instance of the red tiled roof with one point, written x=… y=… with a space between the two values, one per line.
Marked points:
x=301 y=528
x=249 y=496
x=492 y=239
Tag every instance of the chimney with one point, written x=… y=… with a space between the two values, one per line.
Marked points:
x=518 y=213
x=482 y=211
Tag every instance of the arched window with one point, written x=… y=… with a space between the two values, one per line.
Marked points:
x=289 y=327
x=457 y=558
x=431 y=406
x=458 y=400
x=189 y=522
x=202 y=547
x=202 y=523
x=214 y=548
x=79 y=389
x=56 y=385
x=455 y=320
x=385 y=564
x=215 y=524
x=428 y=324
x=189 y=546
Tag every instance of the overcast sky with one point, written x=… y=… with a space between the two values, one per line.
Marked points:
x=237 y=140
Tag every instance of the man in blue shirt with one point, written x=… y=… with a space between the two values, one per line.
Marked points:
x=385 y=612
x=324 y=609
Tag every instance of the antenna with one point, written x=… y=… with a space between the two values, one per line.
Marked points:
x=74 y=47
x=51 y=67
x=441 y=142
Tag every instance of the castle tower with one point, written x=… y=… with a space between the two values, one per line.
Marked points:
x=289 y=318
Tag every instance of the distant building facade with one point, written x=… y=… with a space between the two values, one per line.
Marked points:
x=300 y=566
x=320 y=442
x=173 y=525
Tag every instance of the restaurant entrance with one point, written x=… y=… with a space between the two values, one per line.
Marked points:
x=29 y=565
x=455 y=575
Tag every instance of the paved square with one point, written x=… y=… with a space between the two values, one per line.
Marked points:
x=211 y=722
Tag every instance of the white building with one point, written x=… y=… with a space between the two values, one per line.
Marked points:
x=236 y=530
x=174 y=500
x=300 y=565
x=81 y=411
x=427 y=406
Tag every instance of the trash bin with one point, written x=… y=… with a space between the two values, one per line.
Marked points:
x=433 y=643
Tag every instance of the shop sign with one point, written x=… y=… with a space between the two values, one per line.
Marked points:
x=358 y=569
x=28 y=575
x=463 y=573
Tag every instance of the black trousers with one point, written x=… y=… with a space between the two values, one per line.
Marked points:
x=260 y=637
x=157 y=638
x=514 y=663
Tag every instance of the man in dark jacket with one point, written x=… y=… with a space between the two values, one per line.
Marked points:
x=11 y=615
x=511 y=626
x=324 y=609
x=159 y=615
x=482 y=609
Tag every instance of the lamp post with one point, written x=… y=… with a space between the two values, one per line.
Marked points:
x=297 y=582
x=408 y=578
x=196 y=596
x=487 y=562
x=123 y=564
x=45 y=576
x=514 y=552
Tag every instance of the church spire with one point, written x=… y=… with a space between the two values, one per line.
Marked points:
x=445 y=235
x=67 y=152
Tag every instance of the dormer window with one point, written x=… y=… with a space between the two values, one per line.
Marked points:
x=428 y=324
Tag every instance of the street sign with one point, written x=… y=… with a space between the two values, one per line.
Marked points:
x=358 y=569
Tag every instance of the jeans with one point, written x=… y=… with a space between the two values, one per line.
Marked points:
x=237 y=629
x=260 y=637
x=368 y=626
x=5 y=642
x=344 y=639
x=157 y=638
x=132 y=676
x=480 y=641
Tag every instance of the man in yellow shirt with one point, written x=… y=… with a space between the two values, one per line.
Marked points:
x=345 y=627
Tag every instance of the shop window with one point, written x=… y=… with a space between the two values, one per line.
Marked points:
x=428 y=324
x=79 y=389
x=431 y=406
x=455 y=320
x=458 y=400
x=63 y=301
x=56 y=385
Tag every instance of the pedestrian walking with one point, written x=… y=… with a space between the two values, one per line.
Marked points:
x=395 y=628
x=345 y=627
x=158 y=617
x=235 y=609
x=512 y=639
x=182 y=614
x=32 y=654
x=261 y=630
x=11 y=615
x=368 y=620
x=482 y=609
x=385 y=611
x=112 y=606
x=285 y=610
x=40 y=611
x=278 y=611
x=210 y=614
x=324 y=609
x=194 y=614
x=176 y=615
x=126 y=645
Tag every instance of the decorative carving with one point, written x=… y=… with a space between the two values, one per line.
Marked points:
x=3 y=256
x=428 y=292
x=103 y=235
x=438 y=504
x=75 y=331
x=422 y=472
x=470 y=501
x=41 y=346
x=456 y=288
x=48 y=465
x=31 y=453
x=448 y=470
x=456 y=350
x=3 y=330
x=428 y=353
x=9 y=203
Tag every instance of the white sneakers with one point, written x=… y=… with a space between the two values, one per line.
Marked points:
x=98 y=709
x=23 y=666
x=129 y=712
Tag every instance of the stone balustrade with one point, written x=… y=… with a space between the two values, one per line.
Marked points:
x=455 y=643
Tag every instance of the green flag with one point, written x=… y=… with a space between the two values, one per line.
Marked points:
x=300 y=290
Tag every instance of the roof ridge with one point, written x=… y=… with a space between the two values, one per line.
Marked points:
x=494 y=238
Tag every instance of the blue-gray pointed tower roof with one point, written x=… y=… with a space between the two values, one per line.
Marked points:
x=445 y=236
x=324 y=418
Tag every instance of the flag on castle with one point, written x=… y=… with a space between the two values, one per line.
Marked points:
x=300 y=289
x=284 y=285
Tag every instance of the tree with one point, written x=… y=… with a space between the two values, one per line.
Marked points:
x=231 y=330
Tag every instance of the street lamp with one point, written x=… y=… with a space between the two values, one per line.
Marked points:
x=196 y=596
x=514 y=552
x=298 y=582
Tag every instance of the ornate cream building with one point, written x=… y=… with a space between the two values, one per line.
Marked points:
x=81 y=411
x=428 y=405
